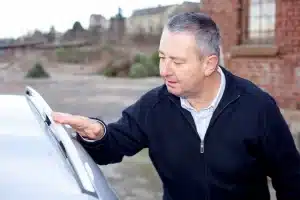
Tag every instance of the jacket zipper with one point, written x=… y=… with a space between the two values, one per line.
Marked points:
x=210 y=124
x=202 y=146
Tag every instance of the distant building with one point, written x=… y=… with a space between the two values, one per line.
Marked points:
x=152 y=20
x=97 y=21
x=4 y=42
x=148 y=20
x=186 y=6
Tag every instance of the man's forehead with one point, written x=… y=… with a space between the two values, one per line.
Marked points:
x=178 y=38
x=181 y=33
x=178 y=43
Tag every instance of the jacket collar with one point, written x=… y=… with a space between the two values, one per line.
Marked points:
x=231 y=91
x=213 y=105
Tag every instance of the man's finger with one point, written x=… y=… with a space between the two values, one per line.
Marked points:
x=66 y=118
x=58 y=117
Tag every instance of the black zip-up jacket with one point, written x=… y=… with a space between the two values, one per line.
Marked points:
x=246 y=141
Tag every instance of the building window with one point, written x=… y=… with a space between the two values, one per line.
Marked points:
x=259 y=21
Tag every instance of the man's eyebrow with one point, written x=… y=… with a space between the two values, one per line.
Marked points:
x=172 y=57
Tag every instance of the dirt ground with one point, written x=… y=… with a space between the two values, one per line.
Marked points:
x=134 y=178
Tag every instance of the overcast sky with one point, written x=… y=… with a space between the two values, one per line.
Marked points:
x=17 y=17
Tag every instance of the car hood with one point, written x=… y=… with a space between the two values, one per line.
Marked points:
x=31 y=167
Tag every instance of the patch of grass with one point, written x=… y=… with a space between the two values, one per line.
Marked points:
x=71 y=55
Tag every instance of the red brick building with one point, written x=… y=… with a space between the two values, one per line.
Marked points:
x=261 y=42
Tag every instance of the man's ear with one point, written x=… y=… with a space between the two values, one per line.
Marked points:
x=210 y=65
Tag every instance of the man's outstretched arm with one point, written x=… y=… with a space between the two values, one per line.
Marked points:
x=124 y=137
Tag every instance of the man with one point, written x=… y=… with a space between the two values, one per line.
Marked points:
x=211 y=135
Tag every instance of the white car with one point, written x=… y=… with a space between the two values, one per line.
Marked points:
x=41 y=159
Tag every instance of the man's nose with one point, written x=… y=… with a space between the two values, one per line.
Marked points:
x=164 y=68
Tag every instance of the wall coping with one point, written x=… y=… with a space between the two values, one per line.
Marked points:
x=254 y=51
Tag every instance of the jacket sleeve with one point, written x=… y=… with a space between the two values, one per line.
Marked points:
x=125 y=137
x=281 y=155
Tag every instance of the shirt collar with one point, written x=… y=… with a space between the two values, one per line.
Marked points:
x=185 y=104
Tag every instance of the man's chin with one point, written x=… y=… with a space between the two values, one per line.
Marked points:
x=174 y=91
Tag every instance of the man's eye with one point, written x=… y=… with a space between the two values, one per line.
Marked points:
x=178 y=63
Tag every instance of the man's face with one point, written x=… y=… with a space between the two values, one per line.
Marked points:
x=180 y=65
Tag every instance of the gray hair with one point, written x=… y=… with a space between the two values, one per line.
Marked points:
x=206 y=31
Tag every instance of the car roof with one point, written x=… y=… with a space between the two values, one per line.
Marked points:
x=32 y=166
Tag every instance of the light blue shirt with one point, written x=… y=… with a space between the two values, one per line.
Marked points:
x=203 y=117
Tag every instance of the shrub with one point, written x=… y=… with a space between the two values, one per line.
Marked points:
x=110 y=72
x=145 y=66
x=155 y=58
x=141 y=66
x=154 y=68
x=117 y=67
x=140 y=58
x=138 y=70
x=37 y=71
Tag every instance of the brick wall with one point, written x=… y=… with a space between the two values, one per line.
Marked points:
x=278 y=71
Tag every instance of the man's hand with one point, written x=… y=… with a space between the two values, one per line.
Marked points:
x=84 y=126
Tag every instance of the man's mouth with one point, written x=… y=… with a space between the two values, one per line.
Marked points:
x=171 y=82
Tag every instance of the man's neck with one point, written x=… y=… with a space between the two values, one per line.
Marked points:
x=207 y=95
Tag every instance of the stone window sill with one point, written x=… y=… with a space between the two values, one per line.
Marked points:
x=254 y=51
